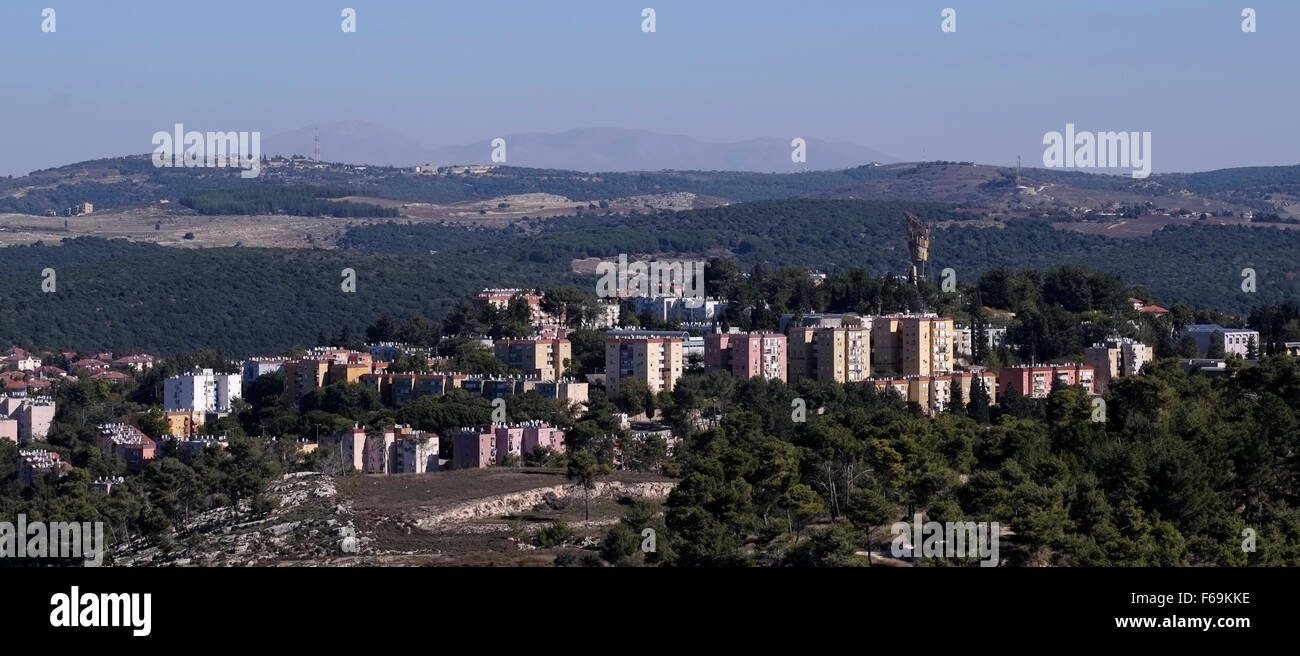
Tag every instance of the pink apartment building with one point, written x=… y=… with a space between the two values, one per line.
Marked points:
x=753 y=355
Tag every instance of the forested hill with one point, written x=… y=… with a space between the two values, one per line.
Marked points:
x=123 y=296
x=130 y=181
x=1198 y=265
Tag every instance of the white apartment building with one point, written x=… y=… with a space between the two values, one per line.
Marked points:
x=201 y=390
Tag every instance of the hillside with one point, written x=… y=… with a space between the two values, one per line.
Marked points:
x=131 y=181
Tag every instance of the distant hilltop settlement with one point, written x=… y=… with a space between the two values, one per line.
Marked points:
x=76 y=210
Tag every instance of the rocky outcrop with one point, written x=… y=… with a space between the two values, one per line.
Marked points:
x=517 y=502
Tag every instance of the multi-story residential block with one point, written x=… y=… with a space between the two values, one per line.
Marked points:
x=188 y=447
x=304 y=376
x=201 y=390
x=997 y=336
x=127 y=441
x=33 y=463
x=414 y=452
x=396 y=450
x=544 y=358
x=490 y=445
x=1036 y=381
x=680 y=308
x=757 y=355
x=323 y=366
x=351 y=447
x=912 y=344
x=1114 y=358
x=822 y=320
x=1236 y=342
x=33 y=415
x=474 y=448
x=841 y=355
x=396 y=389
x=570 y=391
x=257 y=367
x=184 y=423
x=606 y=318
x=501 y=298
x=935 y=393
x=657 y=362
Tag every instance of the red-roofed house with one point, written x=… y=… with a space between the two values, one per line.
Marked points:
x=138 y=362
x=89 y=364
x=111 y=376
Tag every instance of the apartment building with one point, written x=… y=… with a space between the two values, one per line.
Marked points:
x=841 y=355
x=543 y=358
x=1114 y=358
x=127 y=441
x=680 y=308
x=202 y=390
x=753 y=355
x=570 y=391
x=1234 y=341
x=912 y=344
x=501 y=298
x=490 y=445
x=997 y=336
x=184 y=423
x=397 y=450
x=32 y=416
x=325 y=366
x=414 y=451
x=934 y=393
x=9 y=429
x=33 y=463
x=257 y=367
x=189 y=447
x=1036 y=381
x=655 y=361
x=396 y=389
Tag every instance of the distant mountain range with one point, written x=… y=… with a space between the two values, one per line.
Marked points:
x=584 y=149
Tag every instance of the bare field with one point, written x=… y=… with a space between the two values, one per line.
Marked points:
x=483 y=517
x=169 y=227
x=167 y=224
x=1144 y=226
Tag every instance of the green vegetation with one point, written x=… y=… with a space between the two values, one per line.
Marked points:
x=272 y=199
x=1182 y=465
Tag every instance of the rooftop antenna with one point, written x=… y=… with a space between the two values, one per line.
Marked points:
x=316 y=139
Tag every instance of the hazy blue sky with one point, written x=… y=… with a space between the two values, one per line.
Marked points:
x=877 y=73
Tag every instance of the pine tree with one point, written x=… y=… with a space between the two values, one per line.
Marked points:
x=956 y=404
x=978 y=408
x=979 y=330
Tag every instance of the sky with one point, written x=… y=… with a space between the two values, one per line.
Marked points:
x=877 y=73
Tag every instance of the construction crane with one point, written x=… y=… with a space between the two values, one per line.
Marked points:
x=918 y=242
